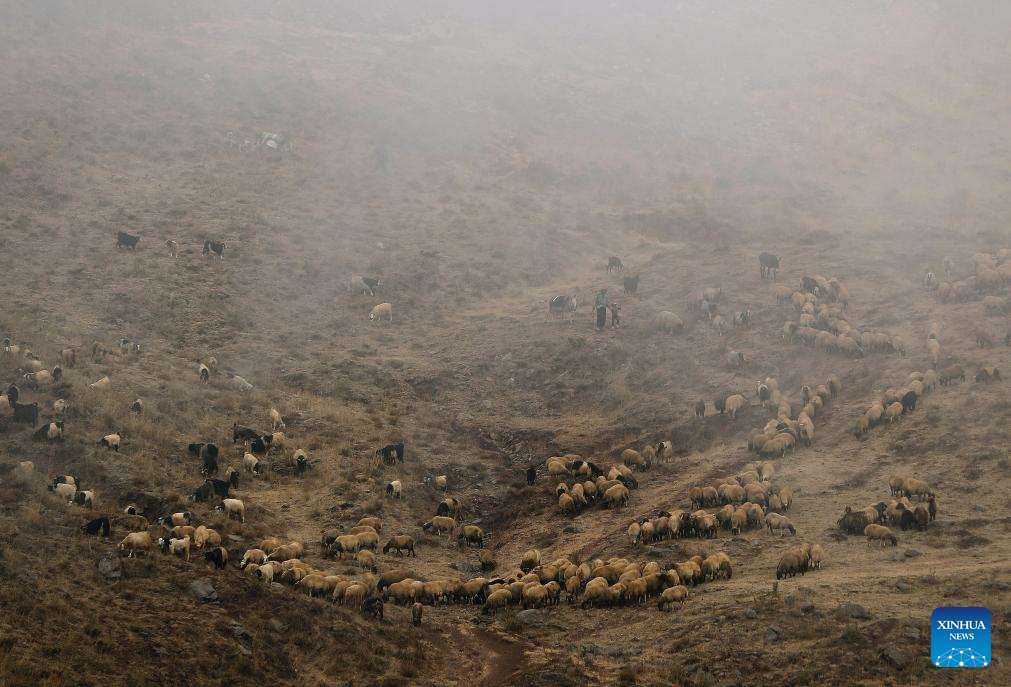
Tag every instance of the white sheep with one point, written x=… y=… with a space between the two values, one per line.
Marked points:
x=276 y=422
x=240 y=384
x=233 y=508
x=440 y=483
x=394 y=488
x=251 y=464
x=178 y=547
x=101 y=385
x=733 y=404
x=382 y=310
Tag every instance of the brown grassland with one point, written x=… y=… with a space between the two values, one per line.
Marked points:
x=481 y=161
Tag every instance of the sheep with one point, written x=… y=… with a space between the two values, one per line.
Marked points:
x=441 y=483
x=366 y=561
x=449 y=506
x=233 y=508
x=66 y=491
x=633 y=459
x=178 y=547
x=394 y=488
x=932 y=508
x=720 y=325
x=950 y=374
x=735 y=358
x=84 y=498
x=986 y=375
x=734 y=404
x=893 y=411
x=286 y=552
x=251 y=464
x=276 y=422
x=471 y=534
x=97 y=526
x=792 y=562
x=257 y=556
x=916 y=487
x=135 y=542
x=616 y=495
x=531 y=559
x=667 y=322
x=774 y=521
x=439 y=524
x=673 y=595
x=380 y=311
x=496 y=600
x=373 y=522
x=896 y=485
x=816 y=556
x=401 y=543
x=111 y=441
x=101 y=385
x=880 y=534
x=240 y=384
x=204 y=536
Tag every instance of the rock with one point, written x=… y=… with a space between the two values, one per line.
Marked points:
x=531 y=616
x=240 y=633
x=899 y=556
x=979 y=508
x=912 y=553
x=750 y=613
x=275 y=625
x=903 y=586
x=855 y=611
x=110 y=567
x=894 y=657
x=619 y=651
x=202 y=590
x=911 y=633
x=950 y=592
x=588 y=649
x=234 y=537
x=570 y=529
x=807 y=607
x=773 y=633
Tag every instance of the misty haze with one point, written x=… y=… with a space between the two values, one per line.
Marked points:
x=502 y=343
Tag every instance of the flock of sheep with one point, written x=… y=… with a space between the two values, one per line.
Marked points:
x=749 y=500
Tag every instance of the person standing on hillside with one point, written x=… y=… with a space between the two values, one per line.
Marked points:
x=600 y=303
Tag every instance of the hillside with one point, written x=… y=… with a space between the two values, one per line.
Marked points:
x=481 y=161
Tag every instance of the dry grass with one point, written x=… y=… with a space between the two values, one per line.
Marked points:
x=476 y=236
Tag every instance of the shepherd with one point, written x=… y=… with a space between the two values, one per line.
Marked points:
x=600 y=304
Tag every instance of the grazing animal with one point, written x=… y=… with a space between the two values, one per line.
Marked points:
x=241 y=433
x=700 y=408
x=111 y=441
x=531 y=475
x=233 y=508
x=204 y=373
x=137 y=407
x=209 y=456
x=97 y=526
x=124 y=240
x=562 y=306
x=214 y=247
x=768 y=265
x=220 y=487
x=173 y=248
x=631 y=285
x=614 y=263
x=391 y=453
x=394 y=488
x=380 y=311
x=217 y=556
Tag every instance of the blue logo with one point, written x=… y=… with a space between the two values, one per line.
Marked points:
x=960 y=637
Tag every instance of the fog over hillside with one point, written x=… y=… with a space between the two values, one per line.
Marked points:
x=391 y=223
